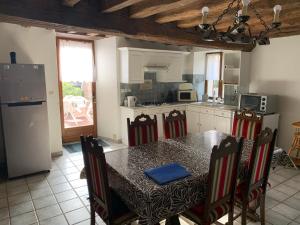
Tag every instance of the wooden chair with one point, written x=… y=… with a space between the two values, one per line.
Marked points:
x=254 y=187
x=246 y=124
x=221 y=186
x=103 y=200
x=175 y=124
x=143 y=130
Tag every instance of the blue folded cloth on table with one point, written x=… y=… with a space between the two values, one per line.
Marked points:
x=167 y=173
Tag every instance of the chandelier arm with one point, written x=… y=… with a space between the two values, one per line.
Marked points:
x=259 y=17
x=226 y=11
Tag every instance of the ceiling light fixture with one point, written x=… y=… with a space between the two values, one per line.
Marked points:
x=239 y=32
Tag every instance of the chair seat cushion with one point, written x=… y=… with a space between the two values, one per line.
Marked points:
x=196 y=214
x=120 y=212
x=254 y=194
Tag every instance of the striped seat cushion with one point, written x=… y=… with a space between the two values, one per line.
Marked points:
x=260 y=163
x=97 y=182
x=196 y=213
x=254 y=194
x=246 y=128
x=222 y=176
x=143 y=134
x=175 y=128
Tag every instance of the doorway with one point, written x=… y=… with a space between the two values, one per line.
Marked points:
x=77 y=88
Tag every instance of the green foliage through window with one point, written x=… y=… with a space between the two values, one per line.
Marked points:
x=70 y=89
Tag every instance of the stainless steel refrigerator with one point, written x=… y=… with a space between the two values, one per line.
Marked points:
x=24 y=118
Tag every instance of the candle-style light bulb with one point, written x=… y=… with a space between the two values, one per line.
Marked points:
x=240 y=12
x=205 y=11
x=277 y=9
x=245 y=7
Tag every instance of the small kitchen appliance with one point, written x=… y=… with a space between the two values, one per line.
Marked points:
x=260 y=103
x=186 y=93
x=131 y=101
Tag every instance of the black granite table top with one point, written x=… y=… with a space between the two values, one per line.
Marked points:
x=153 y=202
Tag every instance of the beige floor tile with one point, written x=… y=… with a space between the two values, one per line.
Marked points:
x=21 y=208
x=22 y=188
x=78 y=183
x=15 y=183
x=24 y=219
x=277 y=195
x=286 y=211
x=35 y=178
x=73 y=176
x=48 y=212
x=71 y=205
x=286 y=189
x=57 y=180
x=70 y=170
x=77 y=216
x=5 y=222
x=85 y=200
x=3 y=203
x=66 y=195
x=82 y=191
x=38 y=185
x=39 y=193
x=16 y=199
x=44 y=201
x=57 y=220
x=4 y=213
x=293 y=202
x=61 y=188
x=276 y=218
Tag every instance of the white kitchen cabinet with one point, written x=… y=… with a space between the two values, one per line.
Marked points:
x=223 y=124
x=175 y=69
x=206 y=122
x=132 y=66
x=193 y=121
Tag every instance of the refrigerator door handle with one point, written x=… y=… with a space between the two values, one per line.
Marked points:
x=24 y=103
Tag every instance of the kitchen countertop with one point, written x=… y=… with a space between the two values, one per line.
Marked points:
x=202 y=104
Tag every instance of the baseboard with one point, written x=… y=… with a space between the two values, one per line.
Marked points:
x=56 y=154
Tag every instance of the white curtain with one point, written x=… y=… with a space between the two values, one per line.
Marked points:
x=213 y=65
x=76 y=61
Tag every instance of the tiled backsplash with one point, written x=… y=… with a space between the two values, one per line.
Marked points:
x=160 y=92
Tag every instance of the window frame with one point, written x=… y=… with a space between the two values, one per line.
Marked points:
x=220 y=92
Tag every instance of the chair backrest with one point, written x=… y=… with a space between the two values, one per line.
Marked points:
x=142 y=130
x=96 y=173
x=260 y=160
x=222 y=178
x=175 y=124
x=246 y=124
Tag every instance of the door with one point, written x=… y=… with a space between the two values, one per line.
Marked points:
x=26 y=138
x=77 y=88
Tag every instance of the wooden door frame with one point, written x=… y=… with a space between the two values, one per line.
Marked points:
x=71 y=134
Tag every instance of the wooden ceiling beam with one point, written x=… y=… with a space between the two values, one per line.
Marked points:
x=109 y=6
x=87 y=18
x=152 y=7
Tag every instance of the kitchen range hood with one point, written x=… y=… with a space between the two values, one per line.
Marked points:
x=156 y=68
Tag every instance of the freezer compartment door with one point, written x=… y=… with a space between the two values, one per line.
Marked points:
x=22 y=83
x=26 y=136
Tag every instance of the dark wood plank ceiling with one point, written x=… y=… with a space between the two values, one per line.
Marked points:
x=165 y=21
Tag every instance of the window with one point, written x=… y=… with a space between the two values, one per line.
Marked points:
x=213 y=87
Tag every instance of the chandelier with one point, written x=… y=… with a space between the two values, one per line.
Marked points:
x=239 y=32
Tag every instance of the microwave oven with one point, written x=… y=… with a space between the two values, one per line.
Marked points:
x=260 y=103
x=187 y=96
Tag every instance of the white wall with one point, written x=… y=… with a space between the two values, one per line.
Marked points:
x=36 y=46
x=108 y=99
x=275 y=69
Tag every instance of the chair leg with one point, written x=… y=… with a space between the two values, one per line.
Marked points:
x=93 y=216
x=230 y=215
x=262 y=209
x=244 y=213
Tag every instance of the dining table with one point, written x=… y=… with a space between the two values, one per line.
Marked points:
x=153 y=202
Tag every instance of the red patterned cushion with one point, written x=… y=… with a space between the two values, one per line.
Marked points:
x=252 y=196
x=142 y=134
x=197 y=213
x=175 y=128
x=246 y=128
x=222 y=176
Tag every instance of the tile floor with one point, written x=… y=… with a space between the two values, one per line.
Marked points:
x=60 y=197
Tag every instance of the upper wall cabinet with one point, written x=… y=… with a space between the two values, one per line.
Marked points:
x=133 y=62
x=131 y=66
x=199 y=63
